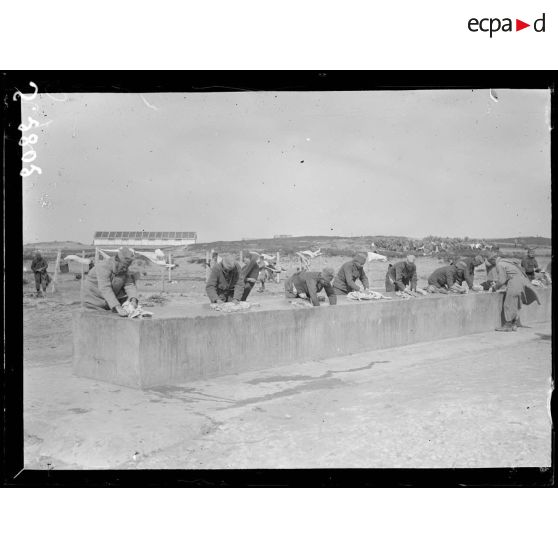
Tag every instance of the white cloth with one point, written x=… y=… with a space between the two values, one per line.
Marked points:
x=108 y=253
x=310 y=254
x=301 y=303
x=78 y=259
x=157 y=257
x=373 y=257
x=228 y=307
x=404 y=295
x=137 y=312
x=366 y=295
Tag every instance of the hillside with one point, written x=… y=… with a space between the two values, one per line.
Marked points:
x=329 y=245
x=50 y=249
x=342 y=246
x=523 y=240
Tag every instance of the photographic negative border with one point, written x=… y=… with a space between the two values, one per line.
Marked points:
x=225 y=81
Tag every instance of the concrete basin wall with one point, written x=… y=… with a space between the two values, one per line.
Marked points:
x=173 y=350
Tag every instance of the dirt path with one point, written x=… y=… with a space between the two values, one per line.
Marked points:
x=475 y=401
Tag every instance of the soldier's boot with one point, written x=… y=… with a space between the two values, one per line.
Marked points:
x=506 y=327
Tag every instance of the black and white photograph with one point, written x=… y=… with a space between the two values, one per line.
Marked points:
x=229 y=277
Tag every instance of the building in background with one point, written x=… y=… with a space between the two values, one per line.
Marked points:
x=104 y=239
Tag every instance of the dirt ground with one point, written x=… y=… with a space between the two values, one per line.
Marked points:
x=474 y=401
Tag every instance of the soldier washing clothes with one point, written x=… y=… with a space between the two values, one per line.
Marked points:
x=307 y=285
x=345 y=281
x=446 y=279
x=401 y=275
x=225 y=283
x=469 y=270
x=109 y=284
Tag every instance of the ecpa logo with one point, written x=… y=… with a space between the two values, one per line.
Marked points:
x=494 y=24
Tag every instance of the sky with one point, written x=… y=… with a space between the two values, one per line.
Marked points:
x=255 y=164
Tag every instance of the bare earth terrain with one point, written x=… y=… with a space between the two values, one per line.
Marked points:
x=475 y=401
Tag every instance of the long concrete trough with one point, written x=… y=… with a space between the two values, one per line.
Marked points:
x=186 y=344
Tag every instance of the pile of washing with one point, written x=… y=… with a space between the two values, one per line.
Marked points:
x=228 y=307
x=366 y=295
x=301 y=303
x=136 y=311
x=542 y=280
x=408 y=294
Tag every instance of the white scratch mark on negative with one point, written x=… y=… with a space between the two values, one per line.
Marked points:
x=549 y=400
x=44 y=201
x=147 y=103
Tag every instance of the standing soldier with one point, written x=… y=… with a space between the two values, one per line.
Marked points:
x=530 y=265
x=519 y=290
x=39 y=267
x=344 y=283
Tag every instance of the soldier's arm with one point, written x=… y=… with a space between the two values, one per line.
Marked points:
x=330 y=294
x=468 y=278
x=250 y=268
x=239 y=287
x=105 y=286
x=347 y=273
x=211 y=286
x=312 y=291
x=364 y=279
x=130 y=287
x=449 y=279
x=399 y=278
x=414 y=280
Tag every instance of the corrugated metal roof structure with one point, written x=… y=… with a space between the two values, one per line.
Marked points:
x=144 y=238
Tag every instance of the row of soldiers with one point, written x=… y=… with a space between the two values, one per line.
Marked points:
x=228 y=282
x=109 y=284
